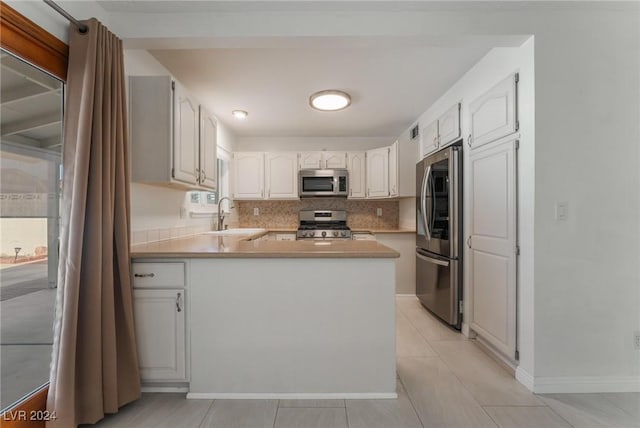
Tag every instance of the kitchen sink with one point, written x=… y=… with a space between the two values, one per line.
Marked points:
x=236 y=232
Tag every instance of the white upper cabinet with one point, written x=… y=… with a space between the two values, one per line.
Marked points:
x=185 y=160
x=357 y=166
x=449 y=126
x=494 y=114
x=429 y=140
x=282 y=175
x=393 y=169
x=378 y=173
x=248 y=175
x=311 y=160
x=323 y=160
x=208 y=148
x=172 y=142
x=334 y=159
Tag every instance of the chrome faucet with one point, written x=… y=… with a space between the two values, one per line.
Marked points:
x=221 y=212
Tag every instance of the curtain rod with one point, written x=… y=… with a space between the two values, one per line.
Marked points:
x=81 y=27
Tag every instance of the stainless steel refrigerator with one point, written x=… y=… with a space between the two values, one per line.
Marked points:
x=439 y=233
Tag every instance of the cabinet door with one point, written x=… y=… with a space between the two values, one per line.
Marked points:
x=393 y=169
x=311 y=160
x=334 y=159
x=429 y=140
x=357 y=166
x=185 y=144
x=492 y=253
x=248 y=174
x=493 y=115
x=208 y=148
x=160 y=334
x=378 y=173
x=282 y=175
x=449 y=126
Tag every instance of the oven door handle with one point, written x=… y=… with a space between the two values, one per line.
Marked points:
x=432 y=260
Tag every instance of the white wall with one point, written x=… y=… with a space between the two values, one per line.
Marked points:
x=158 y=207
x=495 y=66
x=296 y=144
x=53 y=22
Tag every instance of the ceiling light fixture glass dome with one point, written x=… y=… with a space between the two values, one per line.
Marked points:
x=330 y=100
x=239 y=114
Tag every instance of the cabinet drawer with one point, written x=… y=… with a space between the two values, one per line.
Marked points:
x=158 y=275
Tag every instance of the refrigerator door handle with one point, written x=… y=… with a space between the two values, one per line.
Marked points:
x=432 y=260
x=423 y=201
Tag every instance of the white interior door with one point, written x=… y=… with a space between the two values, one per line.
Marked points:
x=493 y=244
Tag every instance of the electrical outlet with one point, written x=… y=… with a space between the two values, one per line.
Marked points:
x=636 y=340
x=379 y=212
x=256 y=211
x=562 y=211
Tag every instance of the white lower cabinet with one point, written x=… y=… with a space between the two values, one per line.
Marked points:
x=160 y=334
x=159 y=308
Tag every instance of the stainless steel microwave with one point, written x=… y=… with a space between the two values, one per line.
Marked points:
x=323 y=182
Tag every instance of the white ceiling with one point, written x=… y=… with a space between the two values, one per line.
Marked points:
x=392 y=79
x=390 y=84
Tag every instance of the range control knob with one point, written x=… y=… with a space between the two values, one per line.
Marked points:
x=324 y=234
x=335 y=233
x=343 y=233
x=311 y=234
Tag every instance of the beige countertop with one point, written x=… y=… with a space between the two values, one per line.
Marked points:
x=212 y=246
x=354 y=230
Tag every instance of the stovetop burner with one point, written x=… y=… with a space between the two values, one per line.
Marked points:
x=323 y=225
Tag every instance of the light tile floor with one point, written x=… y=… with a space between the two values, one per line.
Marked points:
x=443 y=381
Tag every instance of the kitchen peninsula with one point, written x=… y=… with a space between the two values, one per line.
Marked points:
x=272 y=319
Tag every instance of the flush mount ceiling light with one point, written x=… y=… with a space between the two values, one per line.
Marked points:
x=239 y=114
x=330 y=100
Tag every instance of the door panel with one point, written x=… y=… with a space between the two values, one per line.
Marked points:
x=185 y=149
x=311 y=160
x=208 y=150
x=335 y=159
x=378 y=173
x=160 y=333
x=429 y=139
x=357 y=175
x=492 y=256
x=248 y=174
x=449 y=125
x=282 y=175
x=493 y=115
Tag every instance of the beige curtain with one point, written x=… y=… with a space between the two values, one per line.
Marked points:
x=94 y=368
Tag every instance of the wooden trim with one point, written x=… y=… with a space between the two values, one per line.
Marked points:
x=27 y=40
x=30 y=413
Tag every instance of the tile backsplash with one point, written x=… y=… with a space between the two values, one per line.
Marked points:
x=284 y=214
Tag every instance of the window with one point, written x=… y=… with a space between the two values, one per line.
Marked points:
x=30 y=192
x=203 y=201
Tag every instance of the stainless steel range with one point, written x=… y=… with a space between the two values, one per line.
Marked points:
x=323 y=225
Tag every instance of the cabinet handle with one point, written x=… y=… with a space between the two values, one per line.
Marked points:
x=262 y=193
x=144 y=275
x=469 y=241
x=204 y=176
x=350 y=192
x=178 y=307
x=269 y=193
x=198 y=175
x=320 y=164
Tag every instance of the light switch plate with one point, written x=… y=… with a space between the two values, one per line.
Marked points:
x=562 y=211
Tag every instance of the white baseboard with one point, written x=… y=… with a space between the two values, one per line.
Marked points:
x=165 y=389
x=467 y=332
x=585 y=384
x=525 y=378
x=406 y=295
x=291 y=396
